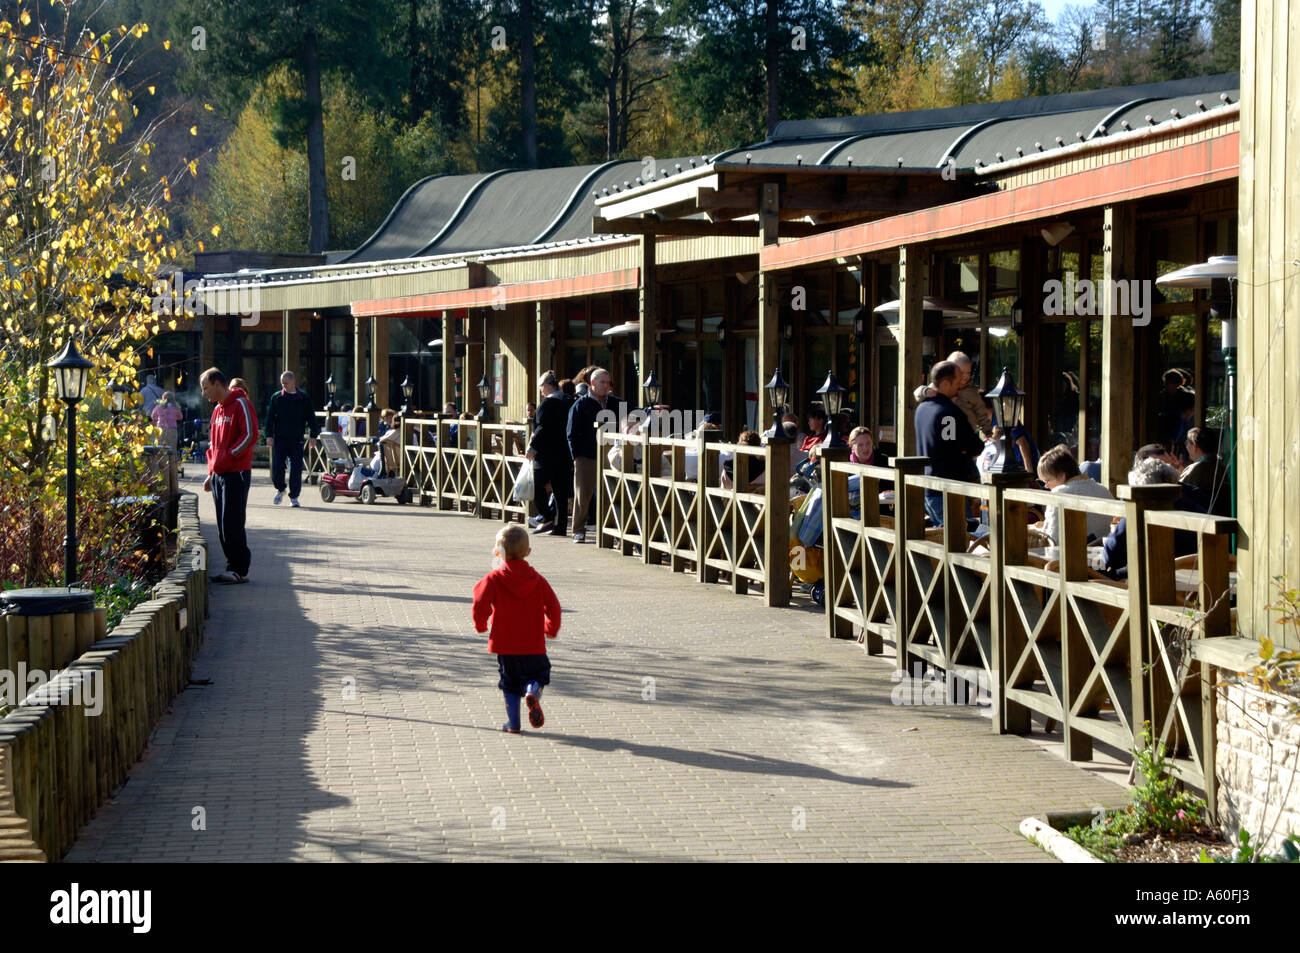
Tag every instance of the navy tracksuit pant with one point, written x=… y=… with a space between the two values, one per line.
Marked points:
x=282 y=450
x=230 y=495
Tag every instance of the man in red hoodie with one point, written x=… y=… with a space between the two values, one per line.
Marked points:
x=232 y=436
x=524 y=613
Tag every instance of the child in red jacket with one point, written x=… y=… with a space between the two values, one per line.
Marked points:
x=524 y=614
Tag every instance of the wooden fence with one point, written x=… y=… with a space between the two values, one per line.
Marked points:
x=1044 y=631
x=648 y=504
x=465 y=466
x=61 y=759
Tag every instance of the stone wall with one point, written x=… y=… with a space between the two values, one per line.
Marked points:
x=1257 y=764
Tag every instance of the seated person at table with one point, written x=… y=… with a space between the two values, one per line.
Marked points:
x=1059 y=472
x=862 y=448
x=1205 y=476
x=816 y=428
x=1115 y=546
x=747 y=438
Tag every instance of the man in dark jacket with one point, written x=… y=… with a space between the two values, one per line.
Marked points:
x=582 y=444
x=944 y=434
x=552 y=462
x=289 y=414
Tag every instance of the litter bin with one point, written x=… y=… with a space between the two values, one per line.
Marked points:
x=47 y=628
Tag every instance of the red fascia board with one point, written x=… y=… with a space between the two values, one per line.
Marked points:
x=1183 y=167
x=495 y=295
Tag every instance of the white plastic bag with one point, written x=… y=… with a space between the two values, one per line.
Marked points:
x=525 y=487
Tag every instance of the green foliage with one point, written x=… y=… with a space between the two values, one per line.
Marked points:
x=1247 y=853
x=1278 y=670
x=1159 y=806
x=120 y=594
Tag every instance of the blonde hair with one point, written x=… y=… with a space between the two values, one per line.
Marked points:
x=512 y=540
x=859 y=431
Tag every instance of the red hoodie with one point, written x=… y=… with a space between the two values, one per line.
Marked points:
x=233 y=434
x=521 y=606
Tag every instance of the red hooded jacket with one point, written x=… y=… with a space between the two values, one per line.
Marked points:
x=521 y=606
x=233 y=434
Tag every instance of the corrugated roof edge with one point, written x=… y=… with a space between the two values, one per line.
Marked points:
x=790 y=129
x=469 y=196
x=567 y=208
x=397 y=206
x=1168 y=127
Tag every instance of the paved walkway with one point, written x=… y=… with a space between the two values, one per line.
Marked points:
x=683 y=721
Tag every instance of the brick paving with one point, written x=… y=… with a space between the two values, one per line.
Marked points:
x=353 y=714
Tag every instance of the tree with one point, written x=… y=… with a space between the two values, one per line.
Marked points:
x=997 y=27
x=735 y=63
x=1225 y=36
x=630 y=65
x=233 y=45
x=82 y=237
x=1177 y=49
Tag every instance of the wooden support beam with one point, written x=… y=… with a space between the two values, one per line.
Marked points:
x=694 y=227
x=379 y=359
x=289 y=344
x=360 y=360
x=648 y=314
x=911 y=289
x=769 y=330
x=448 y=360
x=1119 y=263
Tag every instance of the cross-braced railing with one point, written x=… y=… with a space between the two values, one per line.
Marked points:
x=692 y=519
x=420 y=457
x=458 y=466
x=501 y=458
x=1184 y=603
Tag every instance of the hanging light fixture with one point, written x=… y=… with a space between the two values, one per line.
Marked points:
x=371 y=384
x=407 y=390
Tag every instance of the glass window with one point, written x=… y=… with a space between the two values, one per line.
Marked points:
x=847 y=292
x=713 y=398
x=575 y=316
x=681 y=393
x=961 y=280
x=888 y=391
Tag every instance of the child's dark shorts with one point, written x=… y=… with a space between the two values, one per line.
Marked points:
x=518 y=670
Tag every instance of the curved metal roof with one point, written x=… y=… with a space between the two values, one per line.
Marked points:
x=462 y=214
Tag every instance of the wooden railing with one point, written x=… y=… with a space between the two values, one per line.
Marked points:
x=465 y=466
x=1044 y=631
x=694 y=522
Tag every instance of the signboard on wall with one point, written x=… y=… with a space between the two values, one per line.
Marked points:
x=498 y=379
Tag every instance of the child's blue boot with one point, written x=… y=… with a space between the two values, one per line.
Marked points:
x=533 y=699
x=512 y=714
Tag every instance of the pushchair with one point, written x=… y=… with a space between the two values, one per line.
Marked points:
x=807 y=556
x=348 y=476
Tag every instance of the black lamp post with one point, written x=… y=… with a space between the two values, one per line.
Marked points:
x=484 y=395
x=1009 y=402
x=652 y=389
x=407 y=390
x=371 y=384
x=119 y=391
x=331 y=387
x=71 y=371
x=832 y=394
x=778 y=394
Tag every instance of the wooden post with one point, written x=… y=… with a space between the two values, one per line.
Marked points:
x=909 y=523
x=776 y=522
x=448 y=361
x=207 y=343
x=1137 y=500
x=63 y=630
x=911 y=289
x=360 y=361
x=835 y=503
x=705 y=479
x=1119 y=263
x=769 y=315
x=999 y=527
x=379 y=364
x=1075 y=657
x=648 y=513
x=647 y=316
x=290 y=344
